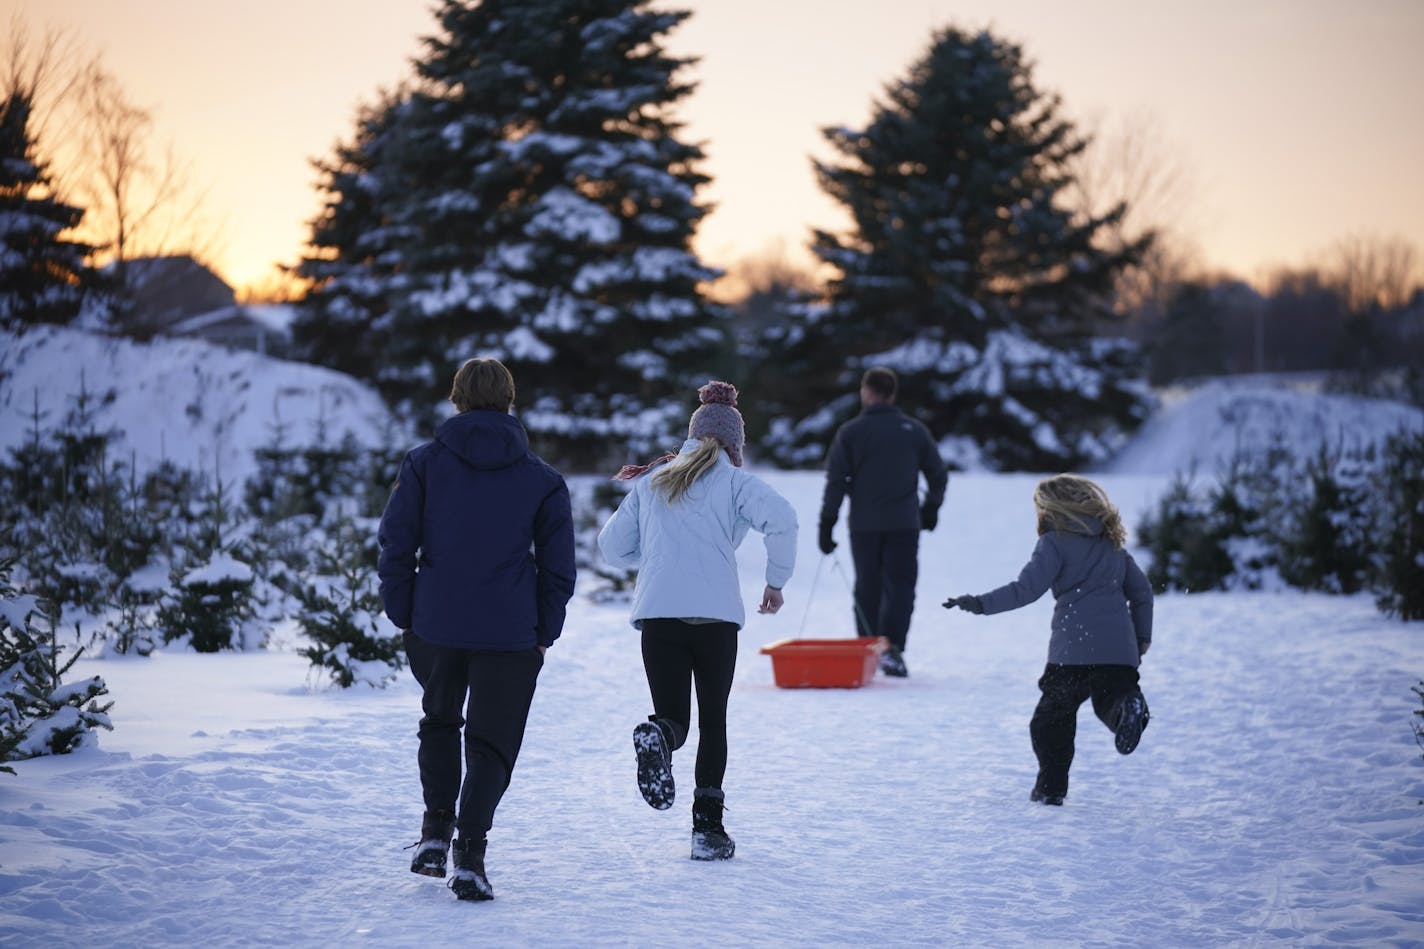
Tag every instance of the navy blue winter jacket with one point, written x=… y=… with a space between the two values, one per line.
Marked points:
x=477 y=540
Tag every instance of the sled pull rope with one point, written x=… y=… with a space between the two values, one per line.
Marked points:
x=810 y=598
x=859 y=613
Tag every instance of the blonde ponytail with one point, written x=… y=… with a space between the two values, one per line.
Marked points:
x=677 y=476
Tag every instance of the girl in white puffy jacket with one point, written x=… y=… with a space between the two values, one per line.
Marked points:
x=680 y=526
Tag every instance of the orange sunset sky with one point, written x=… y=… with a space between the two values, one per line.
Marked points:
x=1297 y=122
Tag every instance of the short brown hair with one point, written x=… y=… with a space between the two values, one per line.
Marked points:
x=482 y=384
x=881 y=381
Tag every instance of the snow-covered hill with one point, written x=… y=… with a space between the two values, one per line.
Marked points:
x=198 y=405
x=1200 y=429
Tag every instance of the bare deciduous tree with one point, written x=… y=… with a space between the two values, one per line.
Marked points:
x=141 y=200
x=1374 y=273
x=1130 y=162
x=100 y=149
x=46 y=73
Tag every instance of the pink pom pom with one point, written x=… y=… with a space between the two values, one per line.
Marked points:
x=718 y=393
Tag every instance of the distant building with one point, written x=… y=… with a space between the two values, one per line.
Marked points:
x=178 y=296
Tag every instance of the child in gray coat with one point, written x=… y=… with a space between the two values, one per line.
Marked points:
x=1102 y=624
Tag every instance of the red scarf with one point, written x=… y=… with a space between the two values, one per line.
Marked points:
x=629 y=472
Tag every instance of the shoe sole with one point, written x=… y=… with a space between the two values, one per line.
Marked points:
x=1129 y=729
x=654 y=772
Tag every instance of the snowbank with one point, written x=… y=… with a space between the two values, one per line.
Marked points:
x=193 y=403
x=1202 y=428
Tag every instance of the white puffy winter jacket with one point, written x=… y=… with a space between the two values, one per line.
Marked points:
x=686 y=552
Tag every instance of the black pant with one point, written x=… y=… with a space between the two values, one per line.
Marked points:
x=887 y=564
x=1055 y=720
x=675 y=656
x=493 y=690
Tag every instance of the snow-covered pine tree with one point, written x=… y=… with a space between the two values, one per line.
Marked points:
x=1400 y=487
x=340 y=609
x=44 y=278
x=39 y=714
x=212 y=598
x=356 y=268
x=966 y=272
x=531 y=201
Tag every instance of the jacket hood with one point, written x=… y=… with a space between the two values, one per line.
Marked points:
x=1089 y=526
x=484 y=438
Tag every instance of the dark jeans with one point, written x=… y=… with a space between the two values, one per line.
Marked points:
x=1055 y=720
x=487 y=694
x=677 y=655
x=887 y=564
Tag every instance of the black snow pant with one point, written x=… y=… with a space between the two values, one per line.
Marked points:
x=678 y=656
x=486 y=694
x=887 y=564
x=1055 y=720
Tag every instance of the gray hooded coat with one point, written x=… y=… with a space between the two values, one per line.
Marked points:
x=1104 y=602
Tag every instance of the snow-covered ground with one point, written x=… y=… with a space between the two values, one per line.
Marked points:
x=1274 y=799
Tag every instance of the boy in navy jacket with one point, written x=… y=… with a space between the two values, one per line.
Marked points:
x=477 y=567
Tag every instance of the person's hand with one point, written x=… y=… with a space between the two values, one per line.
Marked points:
x=827 y=543
x=771 y=600
x=929 y=517
x=969 y=604
x=1142 y=646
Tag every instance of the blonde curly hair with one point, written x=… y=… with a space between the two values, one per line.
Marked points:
x=1065 y=502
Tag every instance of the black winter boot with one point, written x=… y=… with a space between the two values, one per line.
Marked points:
x=436 y=829
x=1039 y=796
x=892 y=663
x=1132 y=718
x=709 y=837
x=469 y=881
x=653 y=745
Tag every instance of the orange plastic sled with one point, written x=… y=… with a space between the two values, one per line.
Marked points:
x=824 y=663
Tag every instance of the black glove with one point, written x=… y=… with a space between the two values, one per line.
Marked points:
x=929 y=517
x=969 y=604
x=827 y=544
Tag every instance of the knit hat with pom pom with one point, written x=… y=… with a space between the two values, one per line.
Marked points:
x=718 y=418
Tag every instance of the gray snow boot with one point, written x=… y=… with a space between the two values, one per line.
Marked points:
x=469 y=881
x=436 y=829
x=709 y=837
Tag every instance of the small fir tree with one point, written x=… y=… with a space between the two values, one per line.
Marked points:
x=39 y=713
x=1401 y=526
x=1328 y=546
x=213 y=594
x=341 y=613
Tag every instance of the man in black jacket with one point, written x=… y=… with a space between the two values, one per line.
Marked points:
x=877 y=458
